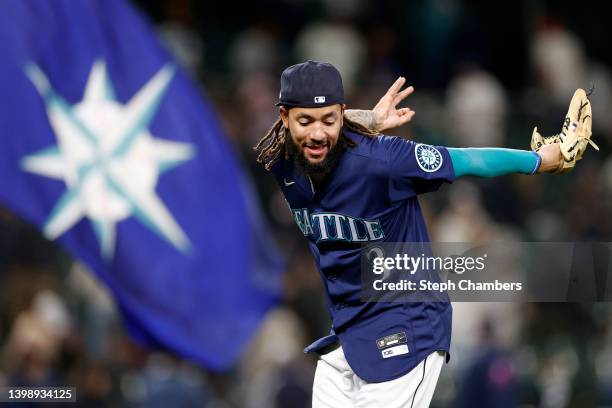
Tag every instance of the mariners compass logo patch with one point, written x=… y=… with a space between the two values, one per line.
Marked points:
x=428 y=157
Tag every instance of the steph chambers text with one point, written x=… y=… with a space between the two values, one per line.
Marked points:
x=461 y=285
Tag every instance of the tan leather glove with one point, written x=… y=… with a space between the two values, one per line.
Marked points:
x=575 y=133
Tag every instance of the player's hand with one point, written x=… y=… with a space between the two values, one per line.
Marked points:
x=552 y=158
x=386 y=113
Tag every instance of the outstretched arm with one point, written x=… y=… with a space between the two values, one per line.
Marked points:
x=493 y=162
x=554 y=154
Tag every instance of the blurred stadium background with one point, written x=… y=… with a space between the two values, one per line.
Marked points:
x=485 y=73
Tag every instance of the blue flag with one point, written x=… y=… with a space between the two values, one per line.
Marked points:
x=111 y=150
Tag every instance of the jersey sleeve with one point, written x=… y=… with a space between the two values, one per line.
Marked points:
x=416 y=168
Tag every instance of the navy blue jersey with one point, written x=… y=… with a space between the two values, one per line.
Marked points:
x=370 y=196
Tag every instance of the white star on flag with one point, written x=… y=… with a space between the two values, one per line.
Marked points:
x=108 y=159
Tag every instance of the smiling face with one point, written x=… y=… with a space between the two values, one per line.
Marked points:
x=314 y=131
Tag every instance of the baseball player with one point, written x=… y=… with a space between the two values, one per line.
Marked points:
x=346 y=186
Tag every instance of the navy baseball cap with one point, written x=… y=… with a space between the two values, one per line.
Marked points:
x=311 y=84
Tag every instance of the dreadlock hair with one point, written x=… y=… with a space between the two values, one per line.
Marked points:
x=272 y=145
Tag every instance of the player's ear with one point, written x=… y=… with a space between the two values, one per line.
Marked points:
x=342 y=109
x=284 y=114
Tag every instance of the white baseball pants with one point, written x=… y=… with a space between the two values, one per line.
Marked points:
x=337 y=386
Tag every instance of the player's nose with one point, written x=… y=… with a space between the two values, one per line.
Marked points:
x=318 y=135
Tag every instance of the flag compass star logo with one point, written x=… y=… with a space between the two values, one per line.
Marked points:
x=108 y=159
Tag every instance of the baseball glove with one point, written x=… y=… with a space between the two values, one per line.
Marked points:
x=575 y=133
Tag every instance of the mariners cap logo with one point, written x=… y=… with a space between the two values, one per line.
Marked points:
x=428 y=158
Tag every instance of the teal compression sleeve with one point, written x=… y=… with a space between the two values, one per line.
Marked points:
x=492 y=162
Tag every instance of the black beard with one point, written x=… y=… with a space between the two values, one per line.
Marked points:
x=317 y=171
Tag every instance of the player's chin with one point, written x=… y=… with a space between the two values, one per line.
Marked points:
x=315 y=160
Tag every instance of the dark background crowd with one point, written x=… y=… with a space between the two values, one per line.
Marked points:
x=485 y=74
